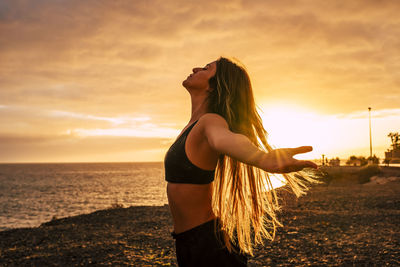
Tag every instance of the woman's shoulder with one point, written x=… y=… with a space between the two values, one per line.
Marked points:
x=213 y=119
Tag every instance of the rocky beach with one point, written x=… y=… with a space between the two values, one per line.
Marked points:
x=343 y=222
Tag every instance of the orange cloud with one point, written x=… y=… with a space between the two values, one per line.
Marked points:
x=116 y=59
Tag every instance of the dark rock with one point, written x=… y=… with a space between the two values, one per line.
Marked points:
x=351 y=225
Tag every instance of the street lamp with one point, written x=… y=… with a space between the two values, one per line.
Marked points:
x=370 y=137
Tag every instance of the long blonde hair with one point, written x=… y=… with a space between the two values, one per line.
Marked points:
x=243 y=197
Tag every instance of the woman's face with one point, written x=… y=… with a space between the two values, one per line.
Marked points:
x=198 y=80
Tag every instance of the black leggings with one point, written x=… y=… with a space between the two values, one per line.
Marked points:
x=200 y=247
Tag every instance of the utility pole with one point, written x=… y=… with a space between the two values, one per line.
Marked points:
x=370 y=137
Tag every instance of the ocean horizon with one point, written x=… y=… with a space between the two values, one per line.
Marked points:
x=34 y=193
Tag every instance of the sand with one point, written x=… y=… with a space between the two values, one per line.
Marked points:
x=351 y=225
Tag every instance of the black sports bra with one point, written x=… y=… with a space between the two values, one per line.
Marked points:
x=179 y=169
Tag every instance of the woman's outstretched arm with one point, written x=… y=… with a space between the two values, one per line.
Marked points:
x=239 y=147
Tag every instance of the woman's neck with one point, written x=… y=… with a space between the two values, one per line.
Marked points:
x=199 y=107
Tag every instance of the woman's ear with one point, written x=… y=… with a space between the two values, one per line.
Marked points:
x=213 y=83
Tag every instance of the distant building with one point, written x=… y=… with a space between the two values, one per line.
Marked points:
x=392 y=155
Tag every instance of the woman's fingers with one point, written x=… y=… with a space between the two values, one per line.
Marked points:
x=308 y=164
x=299 y=165
x=301 y=149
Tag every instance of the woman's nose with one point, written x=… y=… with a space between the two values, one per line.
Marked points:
x=195 y=70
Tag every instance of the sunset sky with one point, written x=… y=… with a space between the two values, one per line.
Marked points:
x=101 y=80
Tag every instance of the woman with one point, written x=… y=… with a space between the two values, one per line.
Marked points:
x=217 y=221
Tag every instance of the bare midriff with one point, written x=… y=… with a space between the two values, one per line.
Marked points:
x=190 y=205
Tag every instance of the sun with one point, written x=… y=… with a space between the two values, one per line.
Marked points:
x=291 y=126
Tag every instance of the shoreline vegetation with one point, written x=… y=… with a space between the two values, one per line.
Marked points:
x=351 y=219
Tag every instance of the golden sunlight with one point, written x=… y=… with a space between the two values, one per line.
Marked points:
x=286 y=127
x=289 y=126
x=293 y=126
x=337 y=135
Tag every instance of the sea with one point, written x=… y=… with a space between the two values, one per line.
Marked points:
x=31 y=194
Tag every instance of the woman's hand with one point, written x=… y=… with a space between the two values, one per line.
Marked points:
x=282 y=161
